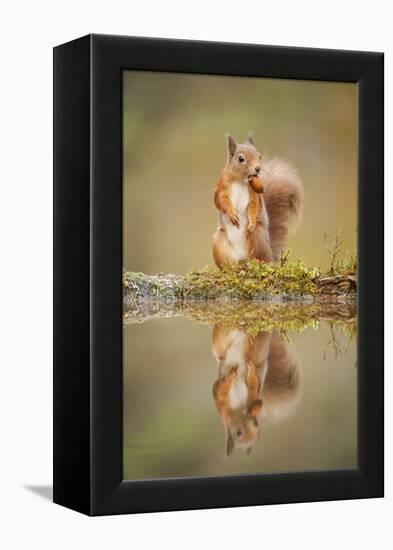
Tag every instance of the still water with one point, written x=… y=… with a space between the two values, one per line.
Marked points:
x=208 y=398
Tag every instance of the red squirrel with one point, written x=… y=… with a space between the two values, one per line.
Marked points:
x=259 y=378
x=258 y=201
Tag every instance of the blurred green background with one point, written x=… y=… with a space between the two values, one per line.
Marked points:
x=174 y=150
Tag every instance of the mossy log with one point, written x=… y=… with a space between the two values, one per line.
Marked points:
x=249 y=281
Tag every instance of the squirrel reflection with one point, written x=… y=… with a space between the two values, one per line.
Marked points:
x=258 y=378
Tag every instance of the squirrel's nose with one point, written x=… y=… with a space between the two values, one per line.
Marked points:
x=257 y=169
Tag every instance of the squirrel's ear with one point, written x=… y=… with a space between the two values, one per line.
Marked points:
x=231 y=146
x=250 y=138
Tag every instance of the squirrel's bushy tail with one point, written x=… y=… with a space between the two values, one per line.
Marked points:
x=283 y=197
x=283 y=382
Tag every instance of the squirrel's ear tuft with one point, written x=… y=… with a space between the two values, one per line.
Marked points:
x=249 y=450
x=231 y=146
x=250 y=138
x=229 y=444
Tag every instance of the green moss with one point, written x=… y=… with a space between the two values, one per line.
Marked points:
x=251 y=279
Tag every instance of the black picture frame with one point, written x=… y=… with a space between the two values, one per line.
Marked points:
x=88 y=273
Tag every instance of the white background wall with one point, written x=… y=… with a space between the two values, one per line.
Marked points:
x=29 y=30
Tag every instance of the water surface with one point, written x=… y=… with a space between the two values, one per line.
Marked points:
x=302 y=417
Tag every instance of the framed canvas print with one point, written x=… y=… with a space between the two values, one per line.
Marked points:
x=218 y=275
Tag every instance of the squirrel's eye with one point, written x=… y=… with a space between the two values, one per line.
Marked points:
x=241 y=158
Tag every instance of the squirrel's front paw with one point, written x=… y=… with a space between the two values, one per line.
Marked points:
x=232 y=374
x=251 y=228
x=235 y=219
